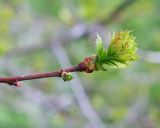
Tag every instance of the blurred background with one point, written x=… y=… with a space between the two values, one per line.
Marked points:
x=45 y=35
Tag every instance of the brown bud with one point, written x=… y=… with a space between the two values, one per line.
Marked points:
x=88 y=64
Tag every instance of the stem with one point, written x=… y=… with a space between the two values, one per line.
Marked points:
x=15 y=80
x=87 y=65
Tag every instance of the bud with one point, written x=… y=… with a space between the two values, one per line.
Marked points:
x=66 y=76
x=122 y=50
x=88 y=64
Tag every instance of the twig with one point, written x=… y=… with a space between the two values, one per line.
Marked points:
x=150 y=56
x=117 y=11
x=15 y=80
x=84 y=66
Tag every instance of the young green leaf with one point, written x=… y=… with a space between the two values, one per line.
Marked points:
x=101 y=53
x=121 y=51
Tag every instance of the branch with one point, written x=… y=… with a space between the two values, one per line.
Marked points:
x=60 y=73
x=117 y=11
x=150 y=56
x=121 y=51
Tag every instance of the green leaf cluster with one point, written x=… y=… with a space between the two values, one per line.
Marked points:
x=121 y=51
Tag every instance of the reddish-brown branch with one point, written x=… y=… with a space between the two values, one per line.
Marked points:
x=15 y=80
x=87 y=65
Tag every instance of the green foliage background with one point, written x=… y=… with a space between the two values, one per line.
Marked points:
x=112 y=94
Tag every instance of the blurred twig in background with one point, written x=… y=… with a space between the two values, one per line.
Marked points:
x=78 y=89
x=117 y=11
x=150 y=56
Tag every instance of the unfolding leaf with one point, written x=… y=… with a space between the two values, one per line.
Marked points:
x=121 y=51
